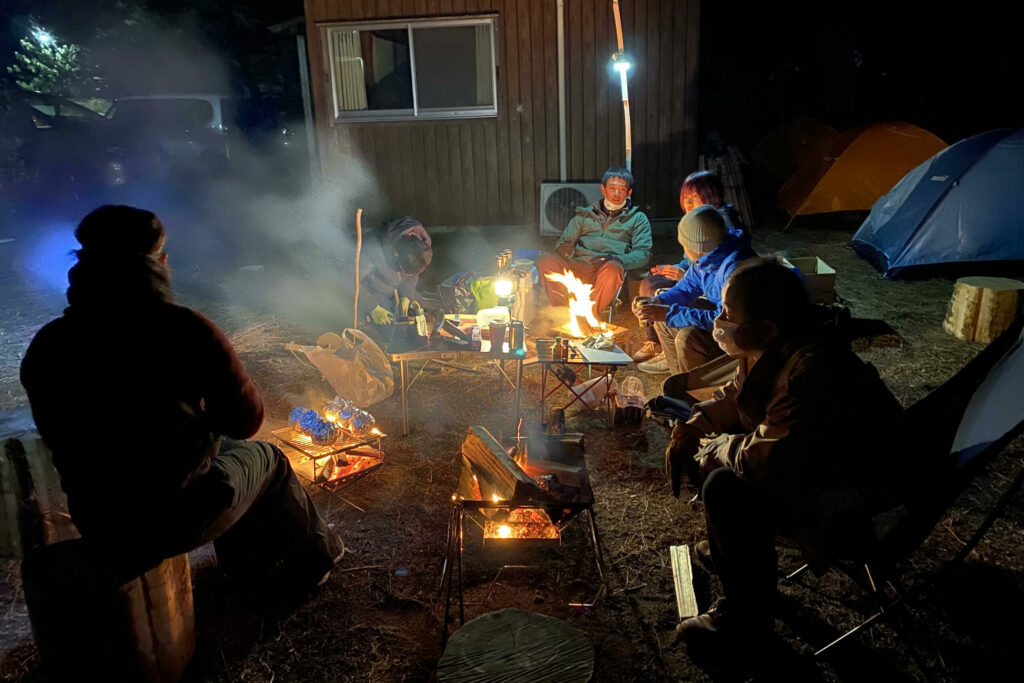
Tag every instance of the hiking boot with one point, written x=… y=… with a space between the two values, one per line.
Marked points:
x=647 y=351
x=703 y=552
x=334 y=563
x=655 y=366
x=720 y=623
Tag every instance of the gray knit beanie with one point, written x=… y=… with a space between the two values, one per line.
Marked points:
x=702 y=229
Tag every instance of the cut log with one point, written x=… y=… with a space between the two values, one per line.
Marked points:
x=982 y=307
x=682 y=576
x=498 y=474
x=142 y=630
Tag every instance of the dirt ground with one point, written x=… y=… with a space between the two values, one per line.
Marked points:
x=379 y=618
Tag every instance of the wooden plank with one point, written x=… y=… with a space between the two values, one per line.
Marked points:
x=501 y=131
x=538 y=99
x=408 y=170
x=607 y=83
x=589 y=58
x=442 y=181
x=456 y=197
x=682 y=577
x=514 y=117
x=638 y=101
x=485 y=184
x=679 y=171
x=420 y=180
x=574 y=86
x=529 y=192
x=550 y=33
x=648 y=142
x=470 y=178
x=489 y=148
x=982 y=307
x=689 y=122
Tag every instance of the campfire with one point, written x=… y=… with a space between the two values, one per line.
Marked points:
x=582 y=321
x=338 y=445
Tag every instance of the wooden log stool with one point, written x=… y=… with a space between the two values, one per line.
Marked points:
x=982 y=307
x=84 y=621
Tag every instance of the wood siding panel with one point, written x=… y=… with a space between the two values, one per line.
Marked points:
x=474 y=171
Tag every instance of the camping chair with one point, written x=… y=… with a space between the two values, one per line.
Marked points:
x=961 y=426
x=635 y=275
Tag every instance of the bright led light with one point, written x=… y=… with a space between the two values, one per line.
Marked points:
x=44 y=37
x=502 y=287
x=622 y=66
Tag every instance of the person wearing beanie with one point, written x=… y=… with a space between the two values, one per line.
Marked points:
x=699 y=188
x=392 y=259
x=683 y=315
x=601 y=243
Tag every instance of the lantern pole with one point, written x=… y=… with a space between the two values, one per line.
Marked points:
x=621 y=64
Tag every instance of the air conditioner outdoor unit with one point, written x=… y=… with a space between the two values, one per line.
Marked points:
x=558 y=202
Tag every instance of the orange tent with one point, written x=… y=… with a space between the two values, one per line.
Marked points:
x=850 y=171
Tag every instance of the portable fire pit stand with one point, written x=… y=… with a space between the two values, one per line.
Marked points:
x=337 y=465
x=461 y=508
x=567 y=374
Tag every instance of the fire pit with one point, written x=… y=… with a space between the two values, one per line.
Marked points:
x=519 y=499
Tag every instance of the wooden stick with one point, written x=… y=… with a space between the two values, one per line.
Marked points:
x=359 y=248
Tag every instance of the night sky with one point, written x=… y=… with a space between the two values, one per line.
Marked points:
x=954 y=72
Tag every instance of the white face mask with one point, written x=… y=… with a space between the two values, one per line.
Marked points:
x=614 y=207
x=724 y=334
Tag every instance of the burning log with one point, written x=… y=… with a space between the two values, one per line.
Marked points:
x=499 y=476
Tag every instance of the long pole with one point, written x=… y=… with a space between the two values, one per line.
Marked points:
x=359 y=249
x=625 y=89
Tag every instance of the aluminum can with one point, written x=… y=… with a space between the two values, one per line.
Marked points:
x=518 y=335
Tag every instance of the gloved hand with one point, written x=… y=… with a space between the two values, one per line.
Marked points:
x=381 y=316
x=683 y=445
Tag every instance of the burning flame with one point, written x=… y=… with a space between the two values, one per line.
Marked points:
x=504 y=531
x=495 y=498
x=376 y=432
x=581 y=305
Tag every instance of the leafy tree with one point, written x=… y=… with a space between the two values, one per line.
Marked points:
x=45 y=65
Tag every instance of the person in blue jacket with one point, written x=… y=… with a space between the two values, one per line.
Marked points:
x=683 y=316
x=699 y=188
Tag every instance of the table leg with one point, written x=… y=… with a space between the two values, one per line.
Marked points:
x=519 y=394
x=405 y=409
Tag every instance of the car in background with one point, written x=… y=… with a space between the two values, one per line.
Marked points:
x=202 y=131
x=62 y=148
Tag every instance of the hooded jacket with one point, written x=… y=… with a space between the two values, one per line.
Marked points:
x=705 y=277
x=593 y=233
x=381 y=275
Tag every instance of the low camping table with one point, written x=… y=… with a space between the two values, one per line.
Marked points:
x=445 y=351
x=606 y=362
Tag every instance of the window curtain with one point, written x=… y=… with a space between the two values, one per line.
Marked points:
x=349 y=79
x=484 y=70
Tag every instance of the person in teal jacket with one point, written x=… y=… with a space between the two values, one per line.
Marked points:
x=601 y=243
x=683 y=316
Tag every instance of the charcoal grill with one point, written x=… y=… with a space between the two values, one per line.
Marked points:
x=336 y=465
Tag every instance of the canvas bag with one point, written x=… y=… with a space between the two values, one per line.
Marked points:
x=358 y=370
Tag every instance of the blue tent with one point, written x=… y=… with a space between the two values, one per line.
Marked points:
x=964 y=205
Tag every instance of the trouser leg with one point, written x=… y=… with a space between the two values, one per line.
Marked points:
x=264 y=513
x=741 y=532
x=695 y=347
x=607 y=281
x=667 y=339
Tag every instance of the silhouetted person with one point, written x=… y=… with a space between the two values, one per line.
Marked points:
x=145 y=406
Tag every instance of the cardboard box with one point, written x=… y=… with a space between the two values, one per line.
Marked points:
x=819 y=278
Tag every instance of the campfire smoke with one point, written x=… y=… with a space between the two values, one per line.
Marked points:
x=581 y=305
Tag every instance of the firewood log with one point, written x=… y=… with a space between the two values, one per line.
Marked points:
x=497 y=472
x=982 y=307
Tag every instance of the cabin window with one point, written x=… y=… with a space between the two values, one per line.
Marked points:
x=424 y=69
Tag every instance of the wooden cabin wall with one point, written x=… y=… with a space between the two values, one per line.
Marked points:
x=488 y=171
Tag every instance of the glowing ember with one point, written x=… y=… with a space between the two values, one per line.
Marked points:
x=495 y=498
x=376 y=432
x=581 y=305
x=523 y=523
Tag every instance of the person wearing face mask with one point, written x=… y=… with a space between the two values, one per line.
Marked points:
x=600 y=244
x=393 y=257
x=794 y=444
x=682 y=315
x=700 y=188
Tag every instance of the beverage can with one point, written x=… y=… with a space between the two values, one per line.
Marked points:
x=518 y=335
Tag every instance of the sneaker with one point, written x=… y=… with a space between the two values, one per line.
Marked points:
x=655 y=366
x=647 y=351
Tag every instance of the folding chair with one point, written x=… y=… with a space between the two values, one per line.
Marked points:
x=962 y=426
x=636 y=275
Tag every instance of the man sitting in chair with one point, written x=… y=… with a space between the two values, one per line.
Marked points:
x=683 y=315
x=800 y=444
x=601 y=243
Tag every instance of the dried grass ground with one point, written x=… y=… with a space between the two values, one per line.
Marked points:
x=379 y=618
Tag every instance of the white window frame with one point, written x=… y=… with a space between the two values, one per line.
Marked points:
x=416 y=113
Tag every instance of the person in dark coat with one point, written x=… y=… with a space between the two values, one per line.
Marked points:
x=392 y=259
x=799 y=440
x=146 y=407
